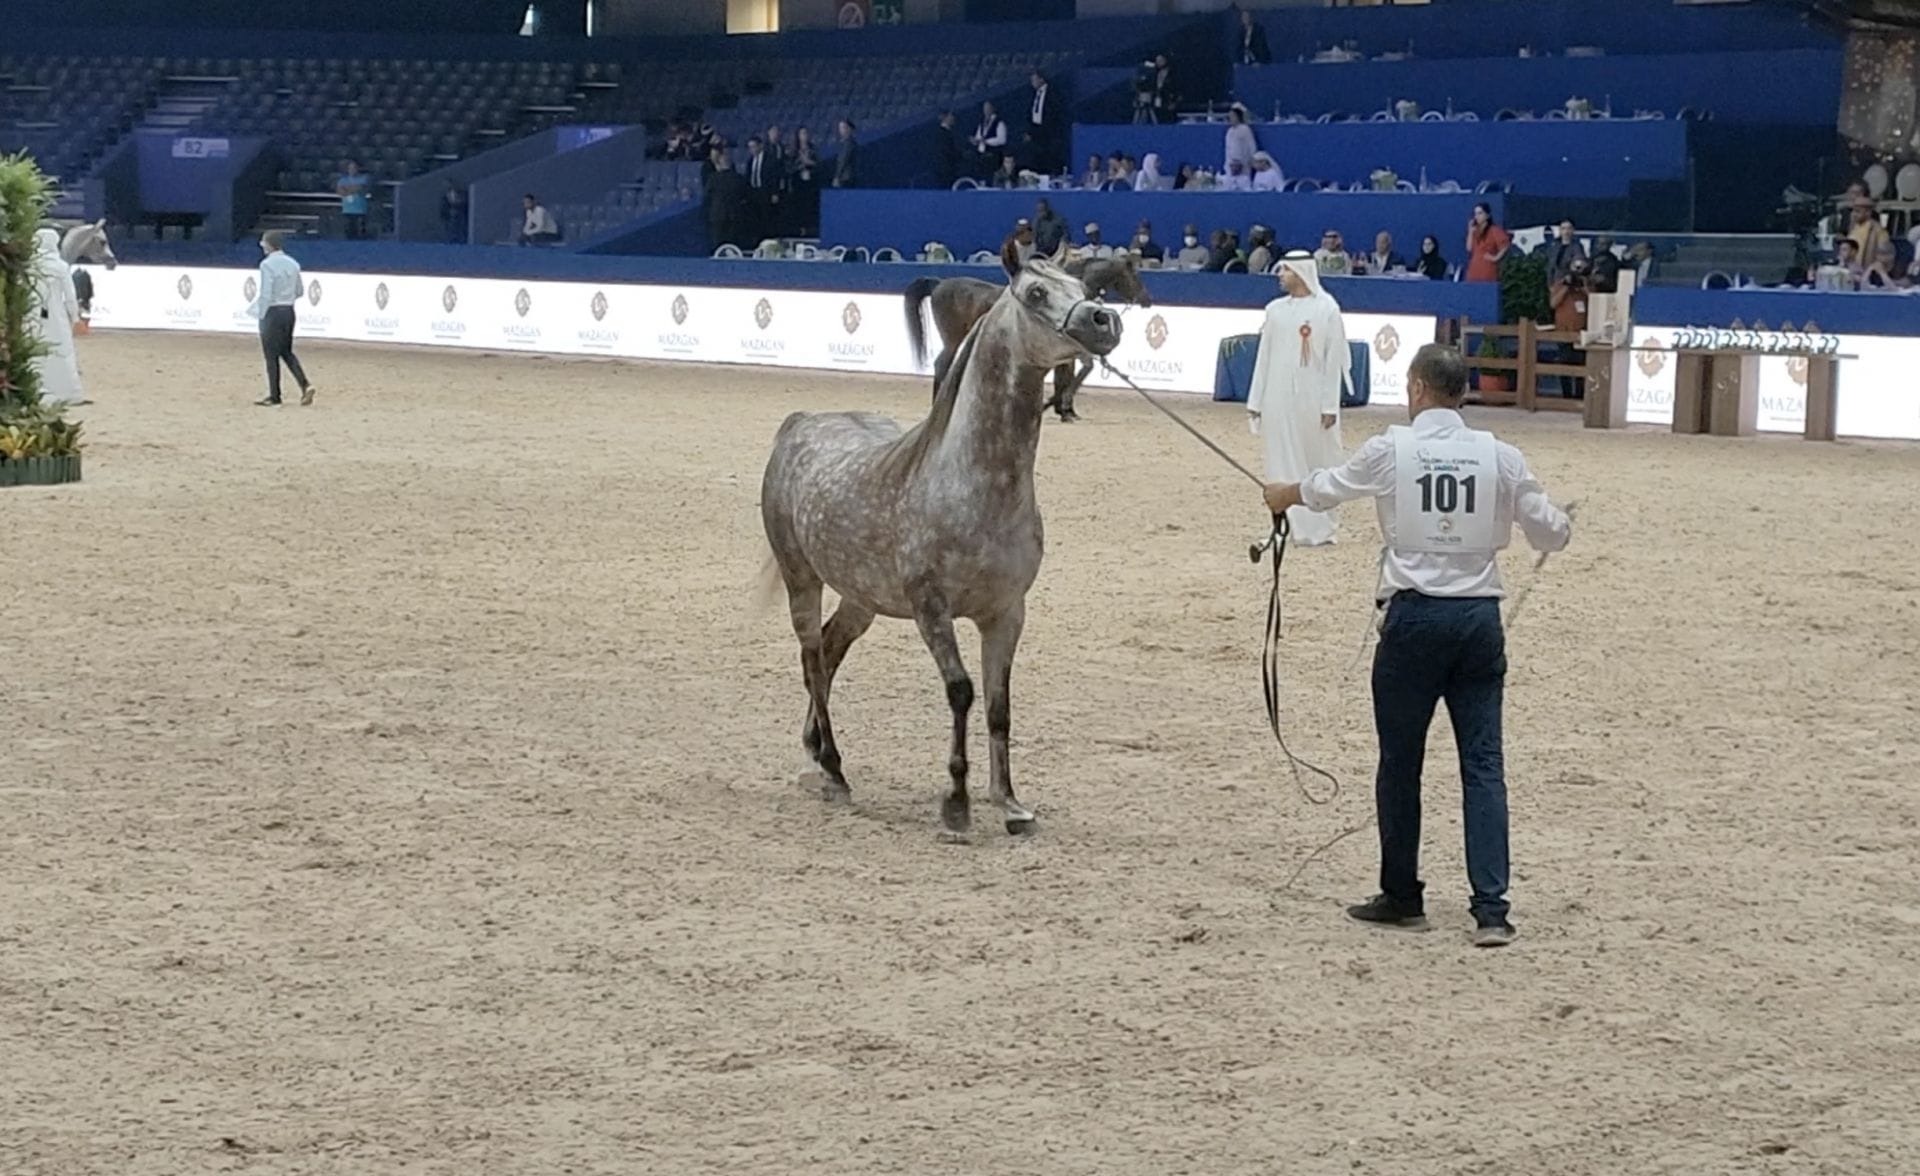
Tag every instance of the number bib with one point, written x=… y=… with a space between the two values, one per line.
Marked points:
x=1444 y=491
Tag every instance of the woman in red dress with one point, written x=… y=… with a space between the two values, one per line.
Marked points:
x=1487 y=243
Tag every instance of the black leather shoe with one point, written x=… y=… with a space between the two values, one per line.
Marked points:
x=1382 y=911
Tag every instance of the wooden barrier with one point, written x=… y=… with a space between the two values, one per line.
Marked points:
x=1716 y=390
x=1526 y=366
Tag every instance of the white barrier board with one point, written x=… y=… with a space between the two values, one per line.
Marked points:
x=1170 y=348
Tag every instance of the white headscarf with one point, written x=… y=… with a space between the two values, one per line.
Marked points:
x=1148 y=180
x=46 y=244
x=1302 y=263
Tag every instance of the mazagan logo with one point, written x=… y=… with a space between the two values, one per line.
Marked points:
x=380 y=296
x=522 y=302
x=1156 y=332
x=763 y=314
x=449 y=298
x=598 y=306
x=680 y=310
x=1653 y=357
x=850 y=318
x=1797 y=369
x=1386 y=344
x=185 y=287
x=313 y=293
x=251 y=289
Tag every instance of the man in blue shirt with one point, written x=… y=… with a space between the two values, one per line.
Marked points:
x=355 y=190
x=280 y=289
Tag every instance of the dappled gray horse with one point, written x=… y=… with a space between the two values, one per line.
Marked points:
x=80 y=245
x=958 y=303
x=934 y=524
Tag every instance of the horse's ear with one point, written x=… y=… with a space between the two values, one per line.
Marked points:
x=1010 y=256
x=1059 y=253
x=101 y=224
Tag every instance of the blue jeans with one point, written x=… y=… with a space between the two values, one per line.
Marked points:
x=1432 y=648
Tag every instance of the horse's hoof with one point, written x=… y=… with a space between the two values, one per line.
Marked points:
x=956 y=816
x=954 y=837
x=1022 y=826
x=835 y=792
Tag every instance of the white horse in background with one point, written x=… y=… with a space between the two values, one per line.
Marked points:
x=82 y=244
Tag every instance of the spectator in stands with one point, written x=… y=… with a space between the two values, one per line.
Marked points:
x=1847 y=257
x=453 y=214
x=727 y=201
x=1266 y=173
x=1383 y=260
x=1865 y=230
x=989 y=141
x=675 y=146
x=777 y=147
x=1193 y=254
x=1008 y=177
x=763 y=190
x=1253 y=42
x=1565 y=250
x=1640 y=257
x=803 y=185
x=1119 y=172
x=1261 y=251
x=1224 y=251
x=1166 y=99
x=1605 y=274
x=1046 y=128
x=1184 y=180
x=1148 y=178
x=1093 y=246
x=1240 y=145
x=950 y=149
x=1432 y=264
x=847 y=161
x=354 y=188
x=1145 y=247
x=1049 y=228
x=1332 y=257
x=537 y=226
x=1487 y=245
x=1095 y=177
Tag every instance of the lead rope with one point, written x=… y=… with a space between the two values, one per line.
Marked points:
x=1276 y=543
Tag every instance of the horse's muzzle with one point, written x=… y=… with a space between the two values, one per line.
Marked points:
x=1094 y=327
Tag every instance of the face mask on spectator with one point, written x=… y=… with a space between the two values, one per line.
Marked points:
x=1192 y=240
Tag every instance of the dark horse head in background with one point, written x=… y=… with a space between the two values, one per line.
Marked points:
x=958 y=303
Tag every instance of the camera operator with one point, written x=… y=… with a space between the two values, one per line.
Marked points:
x=1568 y=296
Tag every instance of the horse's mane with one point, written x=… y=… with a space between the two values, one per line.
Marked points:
x=917 y=441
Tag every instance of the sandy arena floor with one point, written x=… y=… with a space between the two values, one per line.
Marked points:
x=402 y=785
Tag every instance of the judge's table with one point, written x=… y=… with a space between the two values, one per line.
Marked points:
x=1717 y=380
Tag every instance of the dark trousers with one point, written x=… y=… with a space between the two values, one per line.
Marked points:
x=1433 y=648
x=276 y=342
x=356 y=223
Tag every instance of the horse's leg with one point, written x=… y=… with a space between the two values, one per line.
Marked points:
x=936 y=629
x=1070 y=380
x=999 y=637
x=803 y=601
x=842 y=630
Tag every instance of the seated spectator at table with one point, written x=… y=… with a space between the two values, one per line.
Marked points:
x=1147 y=179
x=1095 y=176
x=1119 y=172
x=1882 y=273
x=1487 y=245
x=1184 y=179
x=1847 y=257
x=1223 y=251
x=989 y=141
x=1332 y=256
x=537 y=227
x=1261 y=252
x=1193 y=254
x=1253 y=41
x=1640 y=258
x=1864 y=229
x=1266 y=173
x=1432 y=264
x=1093 y=246
x=1049 y=228
x=1562 y=252
x=1145 y=247
x=1383 y=260
x=1606 y=267
x=1008 y=174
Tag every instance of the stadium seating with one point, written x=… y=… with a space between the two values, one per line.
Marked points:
x=67 y=111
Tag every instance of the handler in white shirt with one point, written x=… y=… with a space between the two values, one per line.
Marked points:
x=280 y=289
x=1448 y=497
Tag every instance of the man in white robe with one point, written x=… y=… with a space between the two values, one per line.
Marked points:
x=1294 y=401
x=50 y=319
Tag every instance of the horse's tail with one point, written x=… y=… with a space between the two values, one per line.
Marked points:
x=767 y=584
x=918 y=291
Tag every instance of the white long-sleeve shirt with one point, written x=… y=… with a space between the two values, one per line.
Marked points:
x=1369 y=473
x=280 y=283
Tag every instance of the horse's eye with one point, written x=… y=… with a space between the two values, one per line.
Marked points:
x=1037 y=295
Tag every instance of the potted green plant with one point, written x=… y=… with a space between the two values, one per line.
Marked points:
x=37 y=446
x=1492 y=381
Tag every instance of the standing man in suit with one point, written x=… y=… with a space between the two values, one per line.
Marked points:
x=1253 y=41
x=845 y=161
x=952 y=150
x=763 y=190
x=1046 y=149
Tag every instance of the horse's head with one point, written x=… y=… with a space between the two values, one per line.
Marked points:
x=1059 y=320
x=1123 y=278
x=88 y=243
